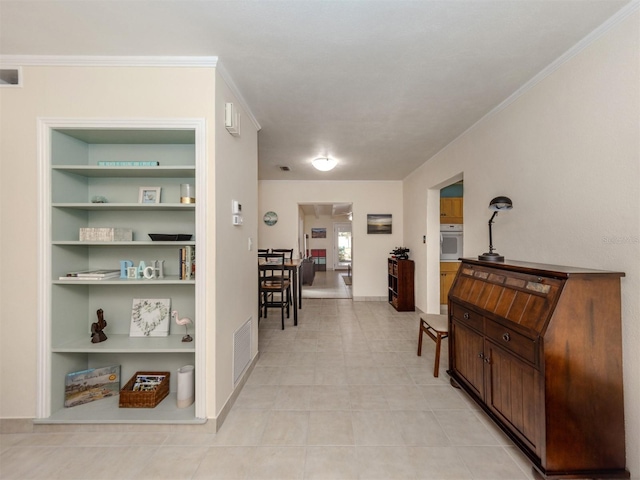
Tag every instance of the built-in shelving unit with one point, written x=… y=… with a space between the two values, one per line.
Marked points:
x=71 y=177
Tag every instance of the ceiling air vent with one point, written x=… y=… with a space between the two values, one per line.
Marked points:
x=284 y=168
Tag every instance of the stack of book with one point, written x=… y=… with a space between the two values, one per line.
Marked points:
x=99 y=274
x=188 y=263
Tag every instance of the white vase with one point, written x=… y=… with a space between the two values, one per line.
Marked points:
x=186 y=393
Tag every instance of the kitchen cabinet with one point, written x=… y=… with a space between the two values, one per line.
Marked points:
x=539 y=349
x=451 y=209
x=448 y=272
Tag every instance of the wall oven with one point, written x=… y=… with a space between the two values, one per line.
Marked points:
x=450 y=242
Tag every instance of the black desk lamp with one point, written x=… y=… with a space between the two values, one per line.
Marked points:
x=496 y=205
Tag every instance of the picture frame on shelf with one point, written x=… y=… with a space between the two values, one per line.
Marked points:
x=150 y=317
x=149 y=195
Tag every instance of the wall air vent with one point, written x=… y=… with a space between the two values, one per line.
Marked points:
x=241 y=350
x=10 y=77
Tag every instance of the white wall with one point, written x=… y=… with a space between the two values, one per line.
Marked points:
x=235 y=300
x=370 y=252
x=567 y=153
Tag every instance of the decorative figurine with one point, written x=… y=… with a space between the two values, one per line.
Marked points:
x=183 y=321
x=97 y=334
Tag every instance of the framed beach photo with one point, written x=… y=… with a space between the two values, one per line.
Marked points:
x=149 y=195
x=379 y=223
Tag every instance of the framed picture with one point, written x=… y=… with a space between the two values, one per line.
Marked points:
x=318 y=233
x=149 y=195
x=150 y=317
x=379 y=223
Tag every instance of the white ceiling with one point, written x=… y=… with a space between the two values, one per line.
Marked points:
x=380 y=85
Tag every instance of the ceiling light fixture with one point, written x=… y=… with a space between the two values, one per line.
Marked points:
x=324 y=164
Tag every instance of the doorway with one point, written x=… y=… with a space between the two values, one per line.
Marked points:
x=451 y=235
x=326 y=230
x=342 y=246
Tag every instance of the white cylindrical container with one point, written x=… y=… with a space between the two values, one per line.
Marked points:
x=187 y=193
x=186 y=393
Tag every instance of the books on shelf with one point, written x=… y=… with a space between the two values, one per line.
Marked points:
x=127 y=164
x=187 y=262
x=89 y=385
x=98 y=274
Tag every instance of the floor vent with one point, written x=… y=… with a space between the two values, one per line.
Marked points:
x=241 y=350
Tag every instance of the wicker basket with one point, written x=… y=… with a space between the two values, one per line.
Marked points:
x=144 y=399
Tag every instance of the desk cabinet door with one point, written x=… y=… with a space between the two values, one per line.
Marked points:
x=468 y=357
x=513 y=394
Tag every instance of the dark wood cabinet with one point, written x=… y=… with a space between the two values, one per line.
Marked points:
x=400 y=281
x=539 y=348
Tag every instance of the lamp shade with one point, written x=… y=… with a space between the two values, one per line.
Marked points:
x=324 y=164
x=500 y=203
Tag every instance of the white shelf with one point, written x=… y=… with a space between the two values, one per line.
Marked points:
x=148 y=243
x=128 y=172
x=107 y=410
x=126 y=206
x=167 y=280
x=121 y=343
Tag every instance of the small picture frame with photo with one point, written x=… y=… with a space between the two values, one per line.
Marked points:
x=149 y=195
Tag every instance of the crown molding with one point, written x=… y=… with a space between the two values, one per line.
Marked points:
x=107 y=61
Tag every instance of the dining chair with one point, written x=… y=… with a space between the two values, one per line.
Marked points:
x=274 y=288
x=288 y=256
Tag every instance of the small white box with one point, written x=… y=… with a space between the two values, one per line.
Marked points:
x=105 y=234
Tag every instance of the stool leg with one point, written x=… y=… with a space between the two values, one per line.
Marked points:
x=436 y=367
x=420 y=340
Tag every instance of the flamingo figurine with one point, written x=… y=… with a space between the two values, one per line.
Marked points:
x=183 y=321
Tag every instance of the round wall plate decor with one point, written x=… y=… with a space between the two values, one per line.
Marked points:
x=270 y=218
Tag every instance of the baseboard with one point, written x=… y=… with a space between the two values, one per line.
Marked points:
x=219 y=420
x=16 y=425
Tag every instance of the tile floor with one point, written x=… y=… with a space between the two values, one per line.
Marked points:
x=327 y=284
x=341 y=396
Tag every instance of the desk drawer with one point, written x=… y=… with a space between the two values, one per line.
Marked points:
x=511 y=340
x=467 y=317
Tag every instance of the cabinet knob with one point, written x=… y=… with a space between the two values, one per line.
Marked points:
x=506 y=337
x=481 y=355
x=487 y=359
x=466 y=316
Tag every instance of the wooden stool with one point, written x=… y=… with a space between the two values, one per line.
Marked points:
x=437 y=327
